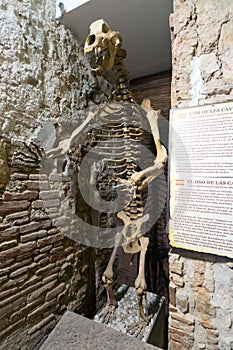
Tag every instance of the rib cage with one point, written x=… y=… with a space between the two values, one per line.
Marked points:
x=114 y=139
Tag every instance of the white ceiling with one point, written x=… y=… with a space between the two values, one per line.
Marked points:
x=143 y=24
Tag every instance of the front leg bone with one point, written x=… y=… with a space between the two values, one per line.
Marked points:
x=152 y=117
x=157 y=168
x=64 y=145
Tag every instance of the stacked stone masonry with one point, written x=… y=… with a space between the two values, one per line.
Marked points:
x=42 y=274
x=201 y=295
x=46 y=89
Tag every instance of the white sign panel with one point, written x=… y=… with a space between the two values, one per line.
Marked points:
x=201 y=179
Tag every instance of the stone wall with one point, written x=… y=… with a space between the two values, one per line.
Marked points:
x=46 y=90
x=201 y=295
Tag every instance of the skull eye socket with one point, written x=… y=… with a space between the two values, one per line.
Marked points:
x=105 y=28
x=91 y=39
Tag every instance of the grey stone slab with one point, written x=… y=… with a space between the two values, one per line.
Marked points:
x=126 y=314
x=75 y=332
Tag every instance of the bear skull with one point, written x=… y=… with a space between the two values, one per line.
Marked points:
x=101 y=46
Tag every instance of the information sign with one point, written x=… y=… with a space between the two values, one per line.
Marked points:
x=201 y=179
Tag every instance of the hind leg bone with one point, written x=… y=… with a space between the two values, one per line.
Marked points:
x=107 y=278
x=140 y=282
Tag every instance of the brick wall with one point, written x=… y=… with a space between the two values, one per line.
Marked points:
x=42 y=273
x=201 y=295
x=46 y=89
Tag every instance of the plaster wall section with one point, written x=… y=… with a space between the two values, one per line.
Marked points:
x=43 y=71
x=201 y=295
x=46 y=91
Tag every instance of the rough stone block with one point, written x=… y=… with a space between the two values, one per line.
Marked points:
x=185 y=318
x=182 y=302
x=26 y=247
x=38 y=177
x=9 y=233
x=19 y=272
x=225 y=42
x=40 y=257
x=33 y=226
x=13 y=328
x=19 y=264
x=44 y=262
x=75 y=331
x=41 y=291
x=50 y=268
x=4 y=323
x=46 y=248
x=29 y=195
x=50 y=240
x=10 y=253
x=52 y=194
x=40 y=325
x=33 y=236
x=54 y=293
x=9 y=207
x=36 y=185
x=38 y=204
x=203 y=302
x=211 y=341
x=42 y=311
x=187 y=343
x=4 y=271
x=173 y=345
x=17 y=215
x=177 y=279
x=26 y=254
x=53 y=231
x=12 y=306
x=48 y=203
x=177 y=267
x=181 y=326
x=209 y=65
x=3 y=279
x=8 y=244
x=182 y=333
x=50 y=278
x=32 y=288
x=10 y=283
x=19 y=176
x=6 y=262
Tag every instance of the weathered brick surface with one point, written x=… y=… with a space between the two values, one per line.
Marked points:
x=12 y=306
x=34 y=226
x=8 y=233
x=38 y=204
x=41 y=324
x=18 y=217
x=8 y=196
x=9 y=207
x=55 y=292
x=33 y=236
x=36 y=185
x=8 y=244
